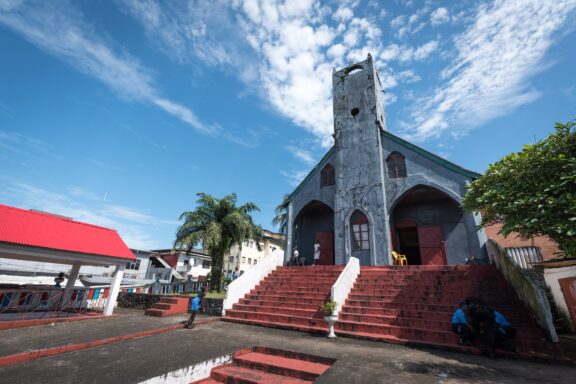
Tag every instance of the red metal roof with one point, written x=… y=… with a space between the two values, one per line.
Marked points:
x=37 y=229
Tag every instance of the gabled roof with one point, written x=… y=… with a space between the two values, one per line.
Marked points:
x=387 y=135
x=38 y=229
x=429 y=155
x=312 y=172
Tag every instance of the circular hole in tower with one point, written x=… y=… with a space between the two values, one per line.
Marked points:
x=354 y=111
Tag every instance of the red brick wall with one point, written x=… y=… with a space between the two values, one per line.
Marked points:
x=547 y=247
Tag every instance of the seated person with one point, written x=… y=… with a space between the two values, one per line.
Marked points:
x=504 y=332
x=461 y=326
x=483 y=325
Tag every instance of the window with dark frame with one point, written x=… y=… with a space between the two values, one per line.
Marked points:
x=328 y=176
x=359 y=228
x=134 y=265
x=396 y=166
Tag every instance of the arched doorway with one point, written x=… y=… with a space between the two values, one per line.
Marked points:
x=315 y=222
x=427 y=226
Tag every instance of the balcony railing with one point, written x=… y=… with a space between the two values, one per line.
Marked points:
x=52 y=300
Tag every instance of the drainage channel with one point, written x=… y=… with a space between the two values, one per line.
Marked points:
x=189 y=374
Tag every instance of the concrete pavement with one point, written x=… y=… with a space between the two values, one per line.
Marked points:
x=358 y=361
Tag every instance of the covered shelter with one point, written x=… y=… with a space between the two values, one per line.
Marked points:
x=43 y=237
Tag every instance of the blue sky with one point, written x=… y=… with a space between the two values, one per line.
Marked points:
x=118 y=112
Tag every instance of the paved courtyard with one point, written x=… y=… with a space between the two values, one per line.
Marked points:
x=158 y=356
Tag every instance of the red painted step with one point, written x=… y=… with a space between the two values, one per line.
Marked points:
x=269 y=365
x=169 y=306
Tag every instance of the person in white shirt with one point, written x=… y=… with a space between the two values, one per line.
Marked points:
x=316 y=252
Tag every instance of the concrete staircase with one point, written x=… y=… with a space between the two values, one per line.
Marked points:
x=169 y=306
x=269 y=365
x=289 y=298
x=414 y=305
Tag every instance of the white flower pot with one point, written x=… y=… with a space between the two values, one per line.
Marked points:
x=331 y=320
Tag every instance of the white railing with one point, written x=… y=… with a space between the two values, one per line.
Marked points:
x=345 y=282
x=249 y=279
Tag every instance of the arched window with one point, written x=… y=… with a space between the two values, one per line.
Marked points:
x=328 y=176
x=359 y=231
x=396 y=165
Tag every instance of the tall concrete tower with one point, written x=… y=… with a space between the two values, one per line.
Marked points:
x=360 y=212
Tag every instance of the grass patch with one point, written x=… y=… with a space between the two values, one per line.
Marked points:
x=209 y=295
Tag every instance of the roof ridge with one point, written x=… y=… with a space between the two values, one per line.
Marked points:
x=55 y=216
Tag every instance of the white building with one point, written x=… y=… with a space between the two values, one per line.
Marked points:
x=245 y=257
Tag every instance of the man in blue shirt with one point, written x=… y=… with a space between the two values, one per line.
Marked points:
x=504 y=332
x=196 y=304
x=460 y=324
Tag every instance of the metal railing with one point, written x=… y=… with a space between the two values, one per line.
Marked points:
x=524 y=257
x=52 y=300
x=175 y=288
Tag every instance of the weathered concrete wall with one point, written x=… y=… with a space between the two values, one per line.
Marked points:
x=358 y=119
x=548 y=248
x=463 y=240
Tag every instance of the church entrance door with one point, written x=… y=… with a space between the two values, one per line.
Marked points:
x=326 y=241
x=431 y=242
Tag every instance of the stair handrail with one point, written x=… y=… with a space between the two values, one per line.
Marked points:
x=529 y=292
x=250 y=279
x=343 y=285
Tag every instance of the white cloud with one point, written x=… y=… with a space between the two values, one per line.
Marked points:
x=404 y=53
x=496 y=56
x=61 y=32
x=294 y=177
x=439 y=16
x=298 y=52
x=301 y=154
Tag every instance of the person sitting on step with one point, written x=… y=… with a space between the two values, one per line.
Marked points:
x=483 y=325
x=461 y=326
x=504 y=332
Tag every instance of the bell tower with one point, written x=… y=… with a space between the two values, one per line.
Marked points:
x=360 y=214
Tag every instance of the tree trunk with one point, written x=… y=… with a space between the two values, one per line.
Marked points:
x=216 y=272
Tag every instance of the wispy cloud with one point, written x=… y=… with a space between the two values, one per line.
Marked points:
x=294 y=177
x=496 y=57
x=104 y=165
x=301 y=154
x=135 y=227
x=24 y=149
x=60 y=30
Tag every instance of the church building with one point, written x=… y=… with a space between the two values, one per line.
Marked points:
x=374 y=192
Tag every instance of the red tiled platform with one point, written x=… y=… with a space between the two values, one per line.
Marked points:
x=269 y=365
x=289 y=297
x=169 y=306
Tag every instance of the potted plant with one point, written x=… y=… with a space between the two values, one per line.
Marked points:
x=328 y=308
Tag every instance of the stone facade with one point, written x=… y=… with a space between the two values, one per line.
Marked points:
x=386 y=192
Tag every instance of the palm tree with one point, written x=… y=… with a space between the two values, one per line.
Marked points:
x=217 y=224
x=281 y=218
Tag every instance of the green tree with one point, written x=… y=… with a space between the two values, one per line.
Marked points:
x=281 y=218
x=217 y=224
x=532 y=192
